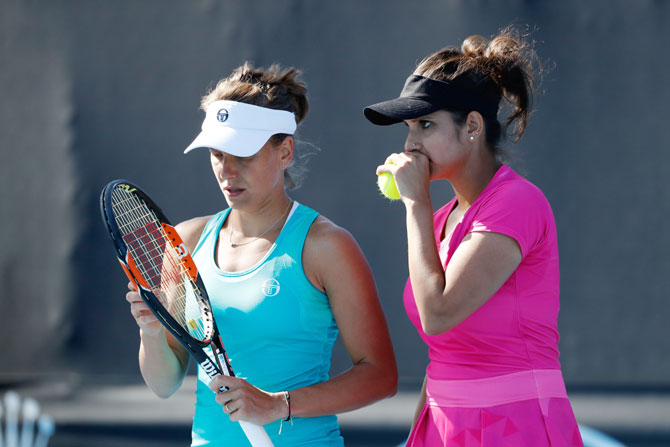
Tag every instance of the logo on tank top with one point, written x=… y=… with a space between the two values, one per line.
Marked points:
x=271 y=287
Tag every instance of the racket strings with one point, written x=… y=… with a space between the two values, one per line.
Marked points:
x=158 y=262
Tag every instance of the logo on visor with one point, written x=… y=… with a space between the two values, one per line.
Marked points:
x=222 y=115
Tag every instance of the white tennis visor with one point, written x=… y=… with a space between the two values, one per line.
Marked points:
x=241 y=129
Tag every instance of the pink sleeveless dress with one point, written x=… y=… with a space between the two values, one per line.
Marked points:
x=495 y=379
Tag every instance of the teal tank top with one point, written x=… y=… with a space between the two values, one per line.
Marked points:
x=278 y=331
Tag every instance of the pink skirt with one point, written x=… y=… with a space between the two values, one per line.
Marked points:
x=525 y=409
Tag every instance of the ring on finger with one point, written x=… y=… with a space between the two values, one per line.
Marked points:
x=228 y=410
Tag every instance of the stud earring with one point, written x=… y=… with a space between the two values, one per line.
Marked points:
x=472 y=138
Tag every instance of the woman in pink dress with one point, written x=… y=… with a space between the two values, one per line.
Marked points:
x=483 y=287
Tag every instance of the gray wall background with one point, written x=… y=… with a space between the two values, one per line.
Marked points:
x=91 y=88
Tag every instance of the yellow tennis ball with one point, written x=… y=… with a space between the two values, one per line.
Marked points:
x=387 y=186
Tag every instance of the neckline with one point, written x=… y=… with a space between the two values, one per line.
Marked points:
x=212 y=255
x=502 y=171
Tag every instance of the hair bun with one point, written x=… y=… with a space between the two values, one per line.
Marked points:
x=504 y=64
x=474 y=46
x=504 y=47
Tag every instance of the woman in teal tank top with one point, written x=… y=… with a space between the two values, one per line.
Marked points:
x=283 y=281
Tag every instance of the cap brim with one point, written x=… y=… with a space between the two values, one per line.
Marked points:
x=397 y=110
x=240 y=143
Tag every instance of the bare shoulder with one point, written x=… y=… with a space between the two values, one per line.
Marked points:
x=190 y=230
x=331 y=254
x=326 y=235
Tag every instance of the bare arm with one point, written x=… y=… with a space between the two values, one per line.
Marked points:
x=350 y=287
x=163 y=361
x=343 y=273
x=478 y=268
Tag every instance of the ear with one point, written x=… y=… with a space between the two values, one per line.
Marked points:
x=474 y=126
x=286 y=151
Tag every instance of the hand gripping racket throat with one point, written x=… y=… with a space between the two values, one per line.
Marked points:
x=156 y=260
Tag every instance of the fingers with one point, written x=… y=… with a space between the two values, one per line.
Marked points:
x=228 y=393
x=411 y=173
x=406 y=157
x=242 y=401
x=137 y=304
x=143 y=316
x=389 y=165
x=140 y=311
x=133 y=297
x=227 y=409
x=228 y=383
x=395 y=162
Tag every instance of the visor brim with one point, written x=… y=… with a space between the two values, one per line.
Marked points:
x=397 y=110
x=240 y=143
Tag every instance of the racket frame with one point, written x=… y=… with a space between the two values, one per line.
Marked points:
x=221 y=363
x=256 y=434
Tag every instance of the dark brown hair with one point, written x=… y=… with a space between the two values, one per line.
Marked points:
x=504 y=64
x=273 y=88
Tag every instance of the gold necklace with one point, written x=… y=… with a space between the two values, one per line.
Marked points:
x=235 y=245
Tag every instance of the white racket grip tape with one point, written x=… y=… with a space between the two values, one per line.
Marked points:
x=256 y=434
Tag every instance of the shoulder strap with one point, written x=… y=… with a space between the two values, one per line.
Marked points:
x=300 y=221
x=213 y=225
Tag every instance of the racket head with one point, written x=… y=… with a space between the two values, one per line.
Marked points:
x=155 y=259
x=133 y=220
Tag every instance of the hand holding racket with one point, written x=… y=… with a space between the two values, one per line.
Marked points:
x=144 y=318
x=158 y=263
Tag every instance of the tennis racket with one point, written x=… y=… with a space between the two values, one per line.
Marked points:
x=156 y=260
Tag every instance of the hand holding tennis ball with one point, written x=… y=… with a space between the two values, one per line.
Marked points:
x=387 y=185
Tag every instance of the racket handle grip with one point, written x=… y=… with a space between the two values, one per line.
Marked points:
x=256 y=435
